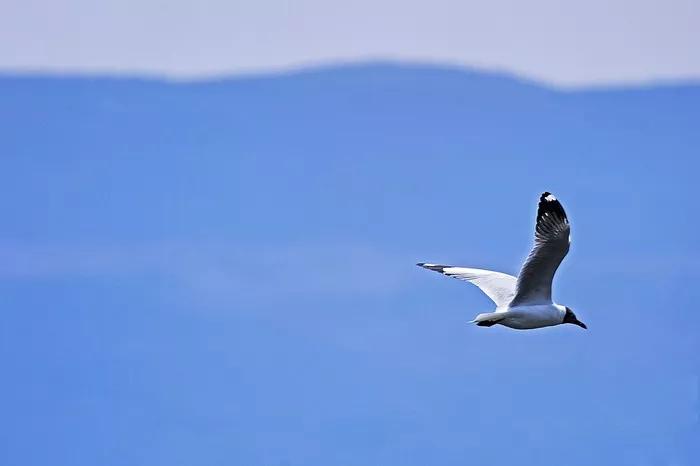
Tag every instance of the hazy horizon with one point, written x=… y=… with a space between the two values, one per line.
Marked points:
x=331 y=66
x=592 y=42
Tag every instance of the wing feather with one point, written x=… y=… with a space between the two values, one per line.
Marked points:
x=500 y=287
x=552 y=238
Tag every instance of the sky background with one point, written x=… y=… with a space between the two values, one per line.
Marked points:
x=588 y=42
x=222 y=271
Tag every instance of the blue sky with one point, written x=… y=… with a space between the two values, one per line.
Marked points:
x=567 y=43
x=224 y=272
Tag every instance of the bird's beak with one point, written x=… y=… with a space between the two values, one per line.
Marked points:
x=580 y=324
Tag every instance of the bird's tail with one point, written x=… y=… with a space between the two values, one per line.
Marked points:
x=487 y=319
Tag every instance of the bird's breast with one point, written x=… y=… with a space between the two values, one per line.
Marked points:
x=528 y=317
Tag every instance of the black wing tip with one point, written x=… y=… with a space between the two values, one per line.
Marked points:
x=550 y=204
x=434 y=267
x=547 y=197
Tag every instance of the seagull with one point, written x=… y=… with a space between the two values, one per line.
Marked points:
x=525 y=302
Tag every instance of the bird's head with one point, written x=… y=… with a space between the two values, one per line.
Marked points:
x=570 y=318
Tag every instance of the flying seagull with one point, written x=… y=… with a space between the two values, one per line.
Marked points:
x=525 y=302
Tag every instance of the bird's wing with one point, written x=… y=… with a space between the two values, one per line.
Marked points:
x=551 y=245
x=500 y=287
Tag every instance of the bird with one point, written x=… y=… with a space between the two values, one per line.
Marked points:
x=525 y=302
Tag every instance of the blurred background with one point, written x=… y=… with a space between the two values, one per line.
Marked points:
x=211 y=213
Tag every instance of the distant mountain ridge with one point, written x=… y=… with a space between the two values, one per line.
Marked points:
x=347 y=69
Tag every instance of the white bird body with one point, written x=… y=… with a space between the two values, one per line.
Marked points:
x=525 y=302
x=526 y=317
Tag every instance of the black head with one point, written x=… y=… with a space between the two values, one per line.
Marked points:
x=570 y=318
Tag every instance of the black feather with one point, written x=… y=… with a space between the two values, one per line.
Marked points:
x=551 y=216
x=435 y=267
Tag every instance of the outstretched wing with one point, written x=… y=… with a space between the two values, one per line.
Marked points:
x=500 y=287
x=551 y=245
